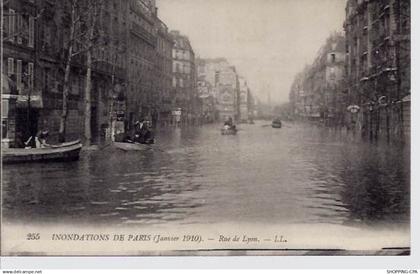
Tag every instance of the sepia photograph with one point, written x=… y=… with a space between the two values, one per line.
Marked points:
x=205 y=127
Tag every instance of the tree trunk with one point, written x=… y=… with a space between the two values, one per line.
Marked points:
x=88 y=104
x=88 y=85
x=63 y=118
x=66 y=87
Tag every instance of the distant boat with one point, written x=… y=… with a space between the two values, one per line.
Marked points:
x=56 y=153
x=229 y=131
x=276 y=123
x=131 y=146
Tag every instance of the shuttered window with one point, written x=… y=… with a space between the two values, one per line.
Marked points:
x=4 y=117
x=12 y=28
x=31 y=32
x=19 y=28
x=31 y=75
x=10 y=66
x=19 y=75
x=4 y=109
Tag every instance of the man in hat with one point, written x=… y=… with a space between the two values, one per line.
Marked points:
x=146 y=135
x=138 y=131
x=41 y=138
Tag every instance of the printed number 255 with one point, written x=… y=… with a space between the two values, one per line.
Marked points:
x=33 y=236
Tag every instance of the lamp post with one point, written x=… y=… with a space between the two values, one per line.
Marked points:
x=114 y=92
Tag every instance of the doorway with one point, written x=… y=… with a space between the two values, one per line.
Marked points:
x=26 y=123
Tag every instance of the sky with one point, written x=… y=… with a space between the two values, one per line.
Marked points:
x=269 y=41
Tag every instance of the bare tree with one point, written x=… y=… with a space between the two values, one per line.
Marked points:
x=92 y=21
x=76 y=32
x=83 y=16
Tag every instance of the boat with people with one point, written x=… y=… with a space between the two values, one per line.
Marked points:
x=229 y=128
x=129 y=146
x=276 y=123
x=229 y=131
x=64 y=152
x=141 y=139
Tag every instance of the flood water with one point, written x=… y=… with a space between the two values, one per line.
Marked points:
x=299 y=174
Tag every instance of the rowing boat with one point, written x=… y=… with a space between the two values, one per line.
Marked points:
x=131 y=146
x=228 y=131
x=276 y=123
x=60 y=153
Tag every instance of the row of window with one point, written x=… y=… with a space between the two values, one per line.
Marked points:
x=181 y=68
x=110 y=56
x=19 y=28
x=181 y=54
x=164 y=47
x=180 y=82
x=177 y=82
x=24 y=75
x=140 y=21
x=139 y=67
x=140 y=49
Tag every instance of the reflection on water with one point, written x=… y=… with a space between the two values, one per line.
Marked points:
x=297 y=174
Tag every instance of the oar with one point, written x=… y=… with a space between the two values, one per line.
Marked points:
x=158 y=149
x=153 y=147
x=106 y=145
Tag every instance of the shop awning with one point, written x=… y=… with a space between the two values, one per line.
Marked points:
x=6 y=84
x=406 y=98
x=35 y=101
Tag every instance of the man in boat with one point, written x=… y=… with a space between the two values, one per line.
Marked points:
x=137 y=136
x=138 y=125
x=41 y=138
x=146 y=134
x=229 y=124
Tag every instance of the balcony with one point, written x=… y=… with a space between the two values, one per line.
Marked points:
x=141 y=9
x=143 y=34
x=108 y=69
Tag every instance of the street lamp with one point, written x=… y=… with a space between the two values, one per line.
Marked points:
x=382 y=100
x=116 y=88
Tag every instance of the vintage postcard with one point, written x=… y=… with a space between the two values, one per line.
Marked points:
x=205 y=127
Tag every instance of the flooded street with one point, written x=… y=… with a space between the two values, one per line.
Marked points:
x=299 y=174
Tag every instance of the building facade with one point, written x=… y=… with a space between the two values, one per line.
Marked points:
x=141 y=60
x=378 y=65
x=131 y=69
x=244 y=94
x=18 y=71
x=36 y=66
x=165 y=44
x=184 y=79
x=227 y=85
x=317 y=91
x=209 y=112
x=224 y=84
